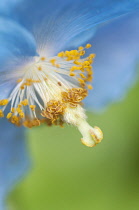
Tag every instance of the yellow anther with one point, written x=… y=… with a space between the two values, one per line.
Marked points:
x=73 y=68
x=72 y=74
x=90 y=61
x=25 y=102
x=67 y=53
x=28 y=80
x=21 y=114
x=82 y=53
x=86 y=63
x=82 y=69
x=89 y=79
x=36 y=122
x=14 y=120
x=77 y=57
x=12 y=109
x=69 y=58
x=61 y=54
x=59 y=83
x=1 y=113
x=80 y=48
x=52 y=61
x=9 y=115
x=39 y=68
x=22 y=87
x=27 y=83
x=74 y=52
x=88 y=68
x=19 y=105
x=18 y=110
x=92 y=55
x=90 y=87
x=4 y=102
x=31 y=123
x=88 y=46
x=32 y=107
x=77 y=62
x=36 y=81
x=28 y=123
x=19 y=80
x=43 y=58
x=82 y=75
x=81 y=81
x=57 y=65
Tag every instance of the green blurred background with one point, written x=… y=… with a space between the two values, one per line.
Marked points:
x=69 y=176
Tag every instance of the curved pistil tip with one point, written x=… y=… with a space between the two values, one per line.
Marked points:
x=92 y=137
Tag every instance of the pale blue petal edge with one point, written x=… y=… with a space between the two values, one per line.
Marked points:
x=14 y=158
x=7 y=5
x=16 y=44
x=102 y=11
x=115 y=68
x=55 y=22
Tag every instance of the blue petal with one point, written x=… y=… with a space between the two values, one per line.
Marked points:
x=7 y=5
x=14 y=160
x=55 y=22
x=6 y=88
x=117 y=48
x=16 y=43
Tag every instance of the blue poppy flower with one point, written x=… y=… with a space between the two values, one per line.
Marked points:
x=34 y=76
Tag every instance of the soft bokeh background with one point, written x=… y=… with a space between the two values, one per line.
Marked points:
x=69 y=176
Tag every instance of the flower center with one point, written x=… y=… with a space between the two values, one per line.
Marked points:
x=51 y=91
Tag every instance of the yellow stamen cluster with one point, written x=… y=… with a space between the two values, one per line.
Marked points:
x=53 y=113
x=82 y=66
x=31 y=123
x=71 y=97
x=37 y=122
x=16 y=119
x=74 y=96
x=54 y=110
x=50 y=91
